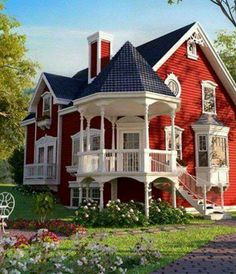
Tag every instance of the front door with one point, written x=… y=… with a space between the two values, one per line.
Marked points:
x=131 y=143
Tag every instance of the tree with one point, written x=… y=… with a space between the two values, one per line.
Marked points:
x=16 y=162
x=228 y=8
x=16 y=75
x=226 y=47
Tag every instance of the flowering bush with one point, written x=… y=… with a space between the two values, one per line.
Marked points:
x=162 y=212
x=45 y=236
x=57 y=226
x=115 y=214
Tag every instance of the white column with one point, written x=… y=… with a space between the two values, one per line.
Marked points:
x=102 y=137
x=101 y=187
x=146 y=145
x=173 y=145
x=173 y=195
x=146 y=193
x=88 y=134
x=80 y=195
x=81 y=132
x=204 y=199
x=113 y=134
x=87 y=192
x=222 y=197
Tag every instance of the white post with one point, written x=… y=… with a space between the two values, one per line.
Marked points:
x=204 y=199
x=146 y=141
x=101 y=187
x=146 y=192
x=113 y=134
x=222 y=196
x=88 y=134
x=173 y=144
x=102 y=141
x=174 y=196
x=87 y=192
x=80 y=195
x=81 y=144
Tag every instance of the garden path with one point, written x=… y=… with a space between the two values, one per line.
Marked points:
x=217 y=257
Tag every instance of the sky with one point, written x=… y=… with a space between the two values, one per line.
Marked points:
x=57 y=30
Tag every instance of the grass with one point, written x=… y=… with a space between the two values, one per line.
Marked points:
x=24 y=208
x=172 y=245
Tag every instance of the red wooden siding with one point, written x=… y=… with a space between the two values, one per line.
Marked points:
x=30 y=136
x=93 y=60
x=105 y=53
x=190 y=74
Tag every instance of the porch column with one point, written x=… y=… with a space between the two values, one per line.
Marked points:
x=173 y=142
x=81 y=144
x=173 y=188
x=222 y=197
x=113 y=133
x=204 y=199
x=101 y=187
x=146 y=145
x=88 y=134
x=80 y=194
x=102 y=137
x=87 y=192
x=146 y=190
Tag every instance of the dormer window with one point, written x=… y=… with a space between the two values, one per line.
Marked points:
x=208 y=97
x=46 y=104
x=192 y=50
x=173 y=83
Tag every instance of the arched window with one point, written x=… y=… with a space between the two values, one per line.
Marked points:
x=173 y=83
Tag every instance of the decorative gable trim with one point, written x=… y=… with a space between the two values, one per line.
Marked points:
x=38 y=91
x=211 y=54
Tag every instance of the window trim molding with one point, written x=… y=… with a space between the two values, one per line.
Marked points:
x=208 y=84
x=168 y=131
x=44 y=96
x=45 y=142
x=190 y=55
x=172 y=77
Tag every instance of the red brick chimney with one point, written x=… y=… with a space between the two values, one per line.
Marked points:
x=100 y=52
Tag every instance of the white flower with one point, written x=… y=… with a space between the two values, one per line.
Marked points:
x=159 y=199
x=132 y=201
x=119 y=261
x=85 y=207
x=89 y=204
x=158 y=209
x=131 y=210
x=80 y=263
x=118 y=200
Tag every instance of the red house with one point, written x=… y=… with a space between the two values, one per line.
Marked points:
x=157 y=120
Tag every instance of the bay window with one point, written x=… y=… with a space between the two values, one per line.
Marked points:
x=93 y=194
x=202 y=151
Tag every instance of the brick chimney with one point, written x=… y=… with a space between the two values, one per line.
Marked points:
x=100 y=52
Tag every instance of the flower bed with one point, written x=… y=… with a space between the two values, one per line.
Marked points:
x=57 y=226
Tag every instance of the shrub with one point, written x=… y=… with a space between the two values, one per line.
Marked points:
x=162 y=212
x=16 y=162
x=115 y=214
x=44 y=205
x=32 y=190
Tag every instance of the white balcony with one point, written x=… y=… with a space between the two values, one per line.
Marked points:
x=40 y=174
x=45 y=123
x=123 y=161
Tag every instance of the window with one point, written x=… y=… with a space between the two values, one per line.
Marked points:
x=46 y=104
x=208 y=97
x=94 y=143
x=173 y=83
x=178 y=140
x=41 y=155
x=94 y=194
x=202 y=151
x=219 y=151
x=192 y=50
x=46 y=150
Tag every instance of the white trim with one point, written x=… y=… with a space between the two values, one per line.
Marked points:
x=27 y=122
x=67 y=110
x=211 y=85
x=44 y=96
x=214 y=59
x=192 y=54
x=172 y=77
x=45 y=142
x=180 y=131
x=59 y=146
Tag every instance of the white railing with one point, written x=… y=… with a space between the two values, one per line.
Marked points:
x=40 y=171
x=126 y=160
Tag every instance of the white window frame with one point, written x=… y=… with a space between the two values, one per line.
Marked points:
x=173 y=78
x=76 y=137
x=207 y=149
x=168 y=138
x=47 y=95
x=212 y=85
x=45 y=142
x=192 y=54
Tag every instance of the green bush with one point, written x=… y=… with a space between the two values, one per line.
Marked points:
x=32 y=190
x=16 y=162
x=44 y=205
x=162 y=212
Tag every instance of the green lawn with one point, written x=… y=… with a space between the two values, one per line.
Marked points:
x=24 y=206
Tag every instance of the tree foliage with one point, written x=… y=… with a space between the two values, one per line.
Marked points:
x=228 y=8
x=226 y=47
x=16 y=162
x=16 y=75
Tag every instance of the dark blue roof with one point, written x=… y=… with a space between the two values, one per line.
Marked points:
x=66 y=87
x=29 y=116
x=208 y=119
x=155 y=49
x=128 y=71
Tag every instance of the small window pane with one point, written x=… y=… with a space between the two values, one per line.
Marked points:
x=202 y=151
x=41 y=155
x=219 y=151
x=209 y=100
x=46 y=105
